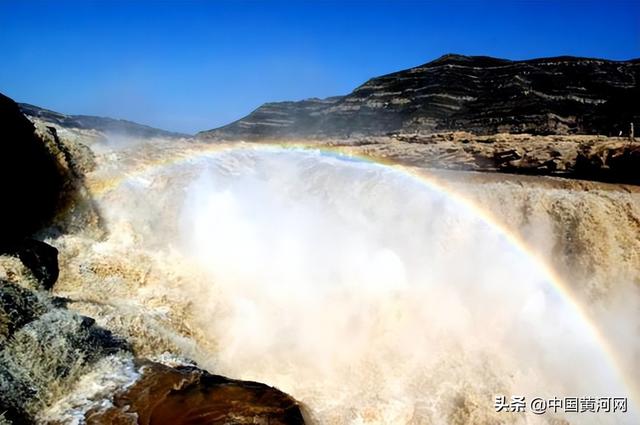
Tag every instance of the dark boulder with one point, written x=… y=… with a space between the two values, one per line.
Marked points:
x=42 y=260
x=188 y=395
x=18 y=306
x=624 y=163
x=613 y=118
x=29 y=177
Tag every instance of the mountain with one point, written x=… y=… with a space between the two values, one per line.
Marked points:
x=479 y=94
x=102 y=124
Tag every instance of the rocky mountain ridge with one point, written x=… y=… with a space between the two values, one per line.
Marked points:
x=479 y=94
x=90 y=122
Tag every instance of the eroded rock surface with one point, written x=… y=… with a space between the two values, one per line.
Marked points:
x=187 y=395
x=597 y=158
x=44 y=349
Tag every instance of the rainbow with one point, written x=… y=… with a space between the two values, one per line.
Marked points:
x=195 y=151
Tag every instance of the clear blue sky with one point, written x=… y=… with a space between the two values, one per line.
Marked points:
x=195 y=65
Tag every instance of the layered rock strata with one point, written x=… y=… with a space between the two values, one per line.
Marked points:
x=482 y=95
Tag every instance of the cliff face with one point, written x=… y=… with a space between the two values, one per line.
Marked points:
x=29 y=174
x=483 y=95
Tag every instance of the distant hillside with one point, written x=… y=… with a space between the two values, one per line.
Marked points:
x=102 y=124
x=483 y=95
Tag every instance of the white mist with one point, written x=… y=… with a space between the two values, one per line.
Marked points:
x=372 y=298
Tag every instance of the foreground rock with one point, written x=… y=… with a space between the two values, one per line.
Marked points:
x=42 y=178
x=48 y=354
x=187 y=395
x=483 y=95
x=30 y=177
x=44 y=350
x=42 y=260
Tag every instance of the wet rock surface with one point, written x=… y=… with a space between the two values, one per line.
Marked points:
x=45 y=350
x=18 y=306
x=483 y=95
x=188 y=395
x=42 y=260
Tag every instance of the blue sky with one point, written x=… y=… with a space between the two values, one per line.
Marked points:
x=194 y=65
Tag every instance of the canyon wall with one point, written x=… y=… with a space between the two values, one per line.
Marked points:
x=482 y=95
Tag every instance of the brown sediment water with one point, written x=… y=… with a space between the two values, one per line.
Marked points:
x=361 y=292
